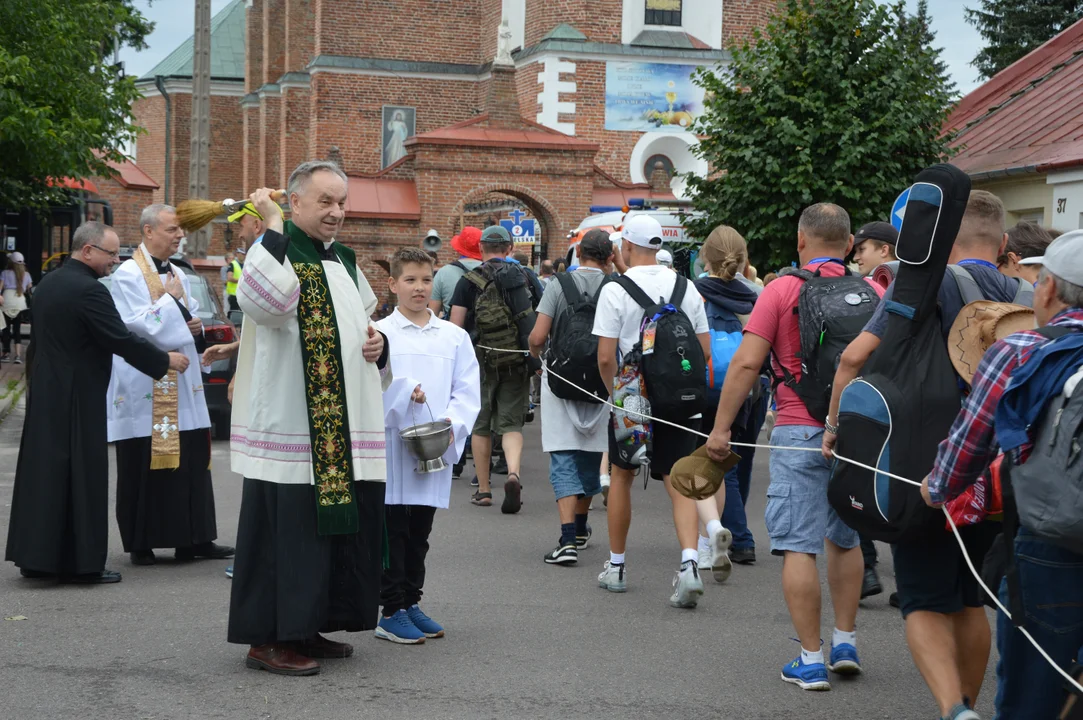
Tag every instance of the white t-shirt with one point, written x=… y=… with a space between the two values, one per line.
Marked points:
x=619 y=316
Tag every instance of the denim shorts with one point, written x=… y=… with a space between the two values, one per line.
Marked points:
x=798 y=515
x=575 y=472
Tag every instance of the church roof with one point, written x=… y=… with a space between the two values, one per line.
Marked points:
x=227 y=48
x=1029 y=116
x=476 y=133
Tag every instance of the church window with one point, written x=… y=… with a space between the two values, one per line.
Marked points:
x=663 y=12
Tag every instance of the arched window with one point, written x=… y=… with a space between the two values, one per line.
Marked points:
x=663 y=12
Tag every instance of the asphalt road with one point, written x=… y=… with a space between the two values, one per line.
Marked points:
x=525 y=640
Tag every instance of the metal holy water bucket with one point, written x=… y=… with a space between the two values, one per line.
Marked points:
x=428 y=442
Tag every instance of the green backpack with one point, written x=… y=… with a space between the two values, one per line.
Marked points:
x=496 y=323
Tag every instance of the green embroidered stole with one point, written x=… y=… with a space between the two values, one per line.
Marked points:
x=325 y=385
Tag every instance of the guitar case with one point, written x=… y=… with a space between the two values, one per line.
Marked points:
x=895 y=415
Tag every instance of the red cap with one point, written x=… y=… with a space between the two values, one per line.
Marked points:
x=468 y=243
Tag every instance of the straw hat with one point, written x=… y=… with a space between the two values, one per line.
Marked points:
x=979 y=325
x=698 y=476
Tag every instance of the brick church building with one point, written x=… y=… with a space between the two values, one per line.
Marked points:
x=442 y=115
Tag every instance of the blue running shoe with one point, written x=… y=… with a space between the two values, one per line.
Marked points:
x=399 y=629
x=424 y=623
x=229 y=572
x=806 y=677
x=844 y=660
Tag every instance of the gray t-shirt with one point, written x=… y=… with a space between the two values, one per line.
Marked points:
x=446 y=278
x=553 y=302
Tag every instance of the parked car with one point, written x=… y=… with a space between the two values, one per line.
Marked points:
x=217 y=330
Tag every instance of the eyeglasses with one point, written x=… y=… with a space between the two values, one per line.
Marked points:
x=110 y=253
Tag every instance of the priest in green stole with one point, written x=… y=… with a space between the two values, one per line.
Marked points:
x=307 y=435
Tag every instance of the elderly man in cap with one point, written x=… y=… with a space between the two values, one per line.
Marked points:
x=874 y=244
x=1050 y=575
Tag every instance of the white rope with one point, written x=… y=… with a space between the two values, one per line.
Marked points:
x=908 y=481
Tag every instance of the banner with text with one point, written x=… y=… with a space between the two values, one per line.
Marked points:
x=647 y=97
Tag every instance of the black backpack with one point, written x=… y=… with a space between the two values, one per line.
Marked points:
x=573 y=353
x=503 y=315
x=895 y=415
x=831 y=312
x=675 y=369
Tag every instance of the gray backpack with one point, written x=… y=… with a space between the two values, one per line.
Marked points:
x=1048 y=487
x=968 y=287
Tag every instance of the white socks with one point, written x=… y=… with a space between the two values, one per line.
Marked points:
x=604 y=480
x=689 y=554
x=811 y=658
x=840 y=638
x=616 y=558
x=713 y=527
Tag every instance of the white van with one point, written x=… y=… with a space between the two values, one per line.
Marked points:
x=673 y=233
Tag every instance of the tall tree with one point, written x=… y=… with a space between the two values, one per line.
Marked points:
x=836 y=100
x=1012 y=28
x=64 y=104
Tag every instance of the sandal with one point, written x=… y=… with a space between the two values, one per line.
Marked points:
x=483 y=499
x=513 y=495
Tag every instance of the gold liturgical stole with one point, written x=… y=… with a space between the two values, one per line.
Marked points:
x=165 y=430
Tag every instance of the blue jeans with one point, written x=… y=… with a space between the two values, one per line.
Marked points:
x=575 y=473
x=1050 y=577
x=739 y=480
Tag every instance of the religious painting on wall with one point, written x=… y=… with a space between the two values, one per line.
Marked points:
x=645 y=97
x=398 y=125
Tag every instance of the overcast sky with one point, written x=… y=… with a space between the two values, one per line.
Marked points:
x=174 y=20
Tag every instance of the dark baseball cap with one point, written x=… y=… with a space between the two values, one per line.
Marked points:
x=495 y=235
x=597 y=242
x=878 y=230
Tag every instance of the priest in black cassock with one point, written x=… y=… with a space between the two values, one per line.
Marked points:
x=161 y=428
x=60 y=508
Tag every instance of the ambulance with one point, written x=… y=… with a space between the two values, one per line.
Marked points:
x=671 y=218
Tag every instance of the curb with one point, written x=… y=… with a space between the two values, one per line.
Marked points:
x=8 y=403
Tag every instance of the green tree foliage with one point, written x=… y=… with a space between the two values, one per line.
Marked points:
x=64 y=105
x=1012 y=28
x=836 y=100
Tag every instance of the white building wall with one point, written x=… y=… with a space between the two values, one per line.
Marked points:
x=1067 y=199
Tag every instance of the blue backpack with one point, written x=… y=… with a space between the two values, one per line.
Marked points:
x=726 y=332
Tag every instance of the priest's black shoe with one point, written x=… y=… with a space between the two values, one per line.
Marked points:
x=321 y=647
x=99 y=578
x=208 y=550
x=142 y=557
x=36 y=574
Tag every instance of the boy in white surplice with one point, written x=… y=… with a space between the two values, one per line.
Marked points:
x=439 y=356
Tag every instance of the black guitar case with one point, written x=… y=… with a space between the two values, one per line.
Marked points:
x=894 y=417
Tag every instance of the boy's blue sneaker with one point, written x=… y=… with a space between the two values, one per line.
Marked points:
x=844 y=660
x=229 y=572
x=399 y=629
x=424 y=623
x=806 y=677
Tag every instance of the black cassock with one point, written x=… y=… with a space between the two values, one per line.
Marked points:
x=60 y=507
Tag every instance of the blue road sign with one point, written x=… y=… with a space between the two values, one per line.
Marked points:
x=520 y=229
x=898 y=210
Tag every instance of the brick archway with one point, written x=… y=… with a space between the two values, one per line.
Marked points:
x=540 y=207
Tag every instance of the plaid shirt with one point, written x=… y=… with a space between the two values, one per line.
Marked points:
x=971 y=444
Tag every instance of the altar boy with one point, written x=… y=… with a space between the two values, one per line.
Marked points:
x=437 y=355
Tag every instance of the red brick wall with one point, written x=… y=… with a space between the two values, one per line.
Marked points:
x=127 y=204
x=740 y=17
x=348 y=112
x=274 y=40
x=251 y=150
x=429 y=30
x=269 y=169
x=253 y=45
x=599 y=20
x=149 y=113
x=300 y=34
x=294 y=124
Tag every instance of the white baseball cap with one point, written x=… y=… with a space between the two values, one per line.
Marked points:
x=644 y=231
x=1063 y=257
x=665 y=257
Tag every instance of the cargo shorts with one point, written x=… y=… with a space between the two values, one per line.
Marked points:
x=505 y=396
x=798 y=515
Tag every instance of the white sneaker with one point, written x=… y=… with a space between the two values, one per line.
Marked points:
x=720 y=563
x=612 y=578
x=704 y=556
x=687 y=586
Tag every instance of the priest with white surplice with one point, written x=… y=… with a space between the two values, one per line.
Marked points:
x=307 y=435
x=161 y=428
